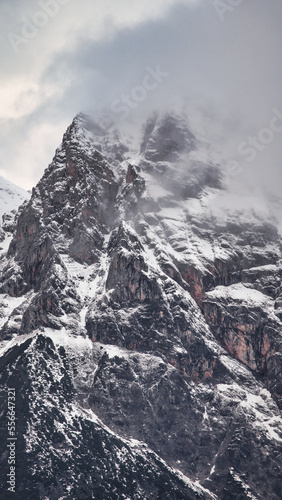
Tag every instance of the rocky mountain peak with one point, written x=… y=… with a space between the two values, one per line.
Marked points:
x=166 y=137
x=144 y=323
x=88 y=134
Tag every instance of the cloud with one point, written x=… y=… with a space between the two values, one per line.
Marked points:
x=225 y=73
x=41 y=82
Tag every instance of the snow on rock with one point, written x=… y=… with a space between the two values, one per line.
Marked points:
x=240 y=293
x=141 y=324
x=11 y=196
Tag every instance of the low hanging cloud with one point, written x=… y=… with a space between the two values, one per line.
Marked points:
x=218 y=61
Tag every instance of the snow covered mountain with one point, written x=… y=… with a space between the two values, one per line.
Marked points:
x=141 y=327
x=11 y=197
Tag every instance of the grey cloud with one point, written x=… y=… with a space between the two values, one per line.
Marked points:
x=228 y=72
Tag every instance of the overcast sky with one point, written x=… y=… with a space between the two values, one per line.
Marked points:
x=223 y=64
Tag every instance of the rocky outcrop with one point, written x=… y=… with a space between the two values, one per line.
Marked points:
x=166 y=137
x=144 y=311
x=243 y=320
x=100 y=464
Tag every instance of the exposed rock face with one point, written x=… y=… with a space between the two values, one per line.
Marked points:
x=166 y=137
x=74 y=201
x=241 y=319
x=141 y=327
x=70 y=444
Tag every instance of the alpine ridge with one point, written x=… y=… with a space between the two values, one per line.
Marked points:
x=140 y=325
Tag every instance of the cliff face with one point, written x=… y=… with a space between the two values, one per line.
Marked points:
x=141 y=327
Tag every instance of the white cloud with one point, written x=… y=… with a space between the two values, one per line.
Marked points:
x=26 y=59
x=22 y=97
x=36 y=145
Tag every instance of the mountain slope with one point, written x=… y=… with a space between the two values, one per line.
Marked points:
x=141 y=326
x=11 y=196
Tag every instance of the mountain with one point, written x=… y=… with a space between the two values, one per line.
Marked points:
x=11 y=197
x=141 y=327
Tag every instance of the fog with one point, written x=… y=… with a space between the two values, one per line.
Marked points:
x=122 y=59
